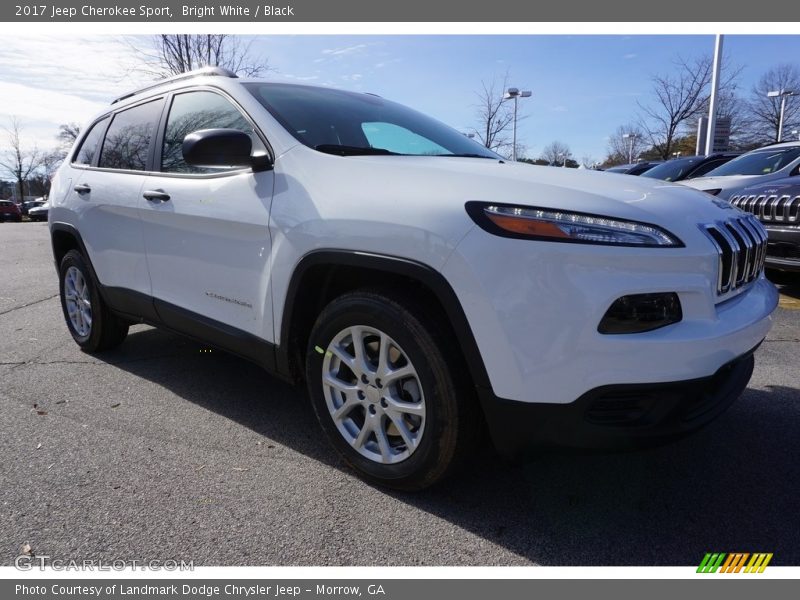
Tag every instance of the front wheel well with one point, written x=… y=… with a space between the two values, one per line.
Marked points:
x=322 y=282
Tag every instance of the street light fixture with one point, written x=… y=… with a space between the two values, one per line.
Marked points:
x=783 y=94
x=797 y=133
x=631 y=137
x=514 y=93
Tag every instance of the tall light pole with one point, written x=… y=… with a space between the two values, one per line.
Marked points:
x=783 y=95
x=712 y=102
x=631 y=137
x=514 y=93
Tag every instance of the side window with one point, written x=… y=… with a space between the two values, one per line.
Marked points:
x=128 y=138
x=85 y=155
x=703 y=169
x=192 y=111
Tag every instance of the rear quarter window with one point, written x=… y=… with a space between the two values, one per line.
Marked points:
x=127 y=142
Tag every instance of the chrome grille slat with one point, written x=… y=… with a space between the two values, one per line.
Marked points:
x=741 y=243
x=769 y=209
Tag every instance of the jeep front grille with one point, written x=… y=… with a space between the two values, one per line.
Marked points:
x=741 y=243
x=770 y=208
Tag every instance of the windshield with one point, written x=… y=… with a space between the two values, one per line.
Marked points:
x=758 y=162
x=672 y=170
x=347 y=123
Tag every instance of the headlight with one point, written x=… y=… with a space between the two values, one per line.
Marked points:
x=525 y=222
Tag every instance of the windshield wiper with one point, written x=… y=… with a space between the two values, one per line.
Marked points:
x=342 y=150
x=466 y=155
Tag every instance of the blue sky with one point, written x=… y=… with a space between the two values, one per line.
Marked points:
x=583 y=86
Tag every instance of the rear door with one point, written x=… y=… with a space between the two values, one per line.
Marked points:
x=109 y=198
x=206 y=230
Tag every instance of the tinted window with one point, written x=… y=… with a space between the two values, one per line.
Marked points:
x=128 y=138
x=330 y=120
x=758 y=162
x=193 y=111
x=88 y=149
x=709 y=166
x=672 y=170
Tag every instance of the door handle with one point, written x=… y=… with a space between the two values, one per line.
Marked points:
x=82 y=188
x=153 y=195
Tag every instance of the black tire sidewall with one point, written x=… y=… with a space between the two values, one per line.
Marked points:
x=434 y=452
x=92 y=341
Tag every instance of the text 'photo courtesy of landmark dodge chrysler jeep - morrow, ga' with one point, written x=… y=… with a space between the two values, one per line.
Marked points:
x=423 y=287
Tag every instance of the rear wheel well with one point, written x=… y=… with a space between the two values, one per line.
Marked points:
x=63 y=242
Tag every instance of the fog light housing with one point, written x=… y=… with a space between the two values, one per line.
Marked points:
x=638 y=313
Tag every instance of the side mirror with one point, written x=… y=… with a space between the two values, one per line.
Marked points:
x=222 y=148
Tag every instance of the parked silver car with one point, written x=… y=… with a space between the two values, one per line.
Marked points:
x=776 y=161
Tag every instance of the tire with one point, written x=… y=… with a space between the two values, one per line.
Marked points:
x=92 y=325
x=410 y=420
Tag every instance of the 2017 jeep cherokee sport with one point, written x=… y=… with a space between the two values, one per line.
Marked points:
x=419 y=283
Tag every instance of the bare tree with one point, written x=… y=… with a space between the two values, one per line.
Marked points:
x=67 y=134
x=19 y=161
x=764 y=113
x=171 y=54
x=557 y=153
x=588 y=161
x=680 y=99
x=495 y=117
x=623 y=149
x=39 y=180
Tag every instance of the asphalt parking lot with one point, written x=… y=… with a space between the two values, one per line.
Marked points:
x=161 y=450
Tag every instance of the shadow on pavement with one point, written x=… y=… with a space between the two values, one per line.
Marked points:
x=732 y=487
x=788 y=282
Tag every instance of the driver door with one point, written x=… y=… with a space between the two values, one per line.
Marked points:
x=206 y=230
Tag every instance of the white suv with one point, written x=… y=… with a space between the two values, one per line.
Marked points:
x=421 y=285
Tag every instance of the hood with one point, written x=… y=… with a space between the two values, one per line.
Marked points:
x=445 y=181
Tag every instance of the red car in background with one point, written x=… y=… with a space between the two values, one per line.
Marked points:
x=9 y=211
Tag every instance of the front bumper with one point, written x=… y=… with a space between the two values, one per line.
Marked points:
x=616 y=416
x=783 y=248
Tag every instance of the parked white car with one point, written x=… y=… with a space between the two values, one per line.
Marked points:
x=39 y=212
x=756 y=167
x=420 y=284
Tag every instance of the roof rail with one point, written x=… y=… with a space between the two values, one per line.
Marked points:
x=203 y=72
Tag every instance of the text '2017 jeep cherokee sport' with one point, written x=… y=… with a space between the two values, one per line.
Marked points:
x=419 y=283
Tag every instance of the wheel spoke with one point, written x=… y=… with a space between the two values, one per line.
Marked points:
x=361 y=365
x=363 y=435
x=383 y=441
x=340 y=385
x=401 y=426
x=395 y=374
x=411 y=408
x=383 y=357
x=343 y=356
x=344 y=409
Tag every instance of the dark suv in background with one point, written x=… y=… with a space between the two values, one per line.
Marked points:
x=634 y=168
x=689 y=167
x=777 y=205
